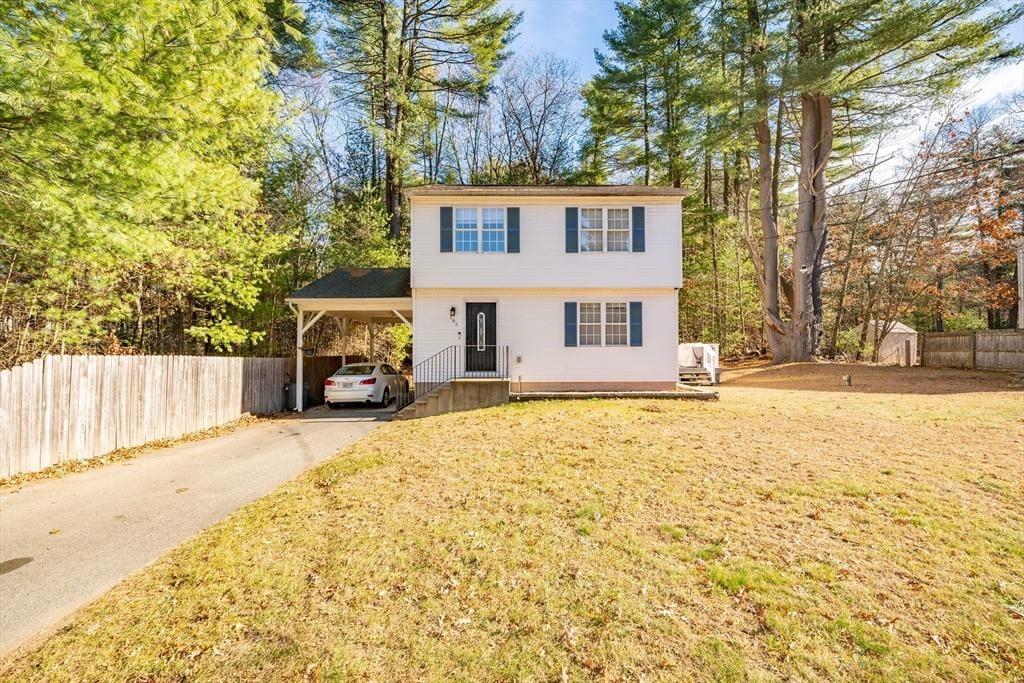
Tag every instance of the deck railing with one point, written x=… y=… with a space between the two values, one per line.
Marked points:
x=457 y=361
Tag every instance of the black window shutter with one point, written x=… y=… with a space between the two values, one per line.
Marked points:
x=446 y=228
x=639 y=231
x=572 y=231
x=570 y=323
x=636 y=323
x=513 y=229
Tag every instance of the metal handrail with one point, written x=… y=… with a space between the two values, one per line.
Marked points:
x=450 y=363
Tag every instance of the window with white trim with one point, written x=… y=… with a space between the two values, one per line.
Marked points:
x=605 y=229
x=590 y=324
x=616 y=324
x=591 y=230
x=493 y=230
x=480 y=230
x=466 y=235
x=603 y=324
x=618 y=229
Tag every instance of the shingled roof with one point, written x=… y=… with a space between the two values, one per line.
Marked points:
x=542 y=191
x=358 y=283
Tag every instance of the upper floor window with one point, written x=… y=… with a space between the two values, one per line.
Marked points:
x=618 y=229
x=494 y=230
x=591 y=230
x=604 y=229
x=479 y=230
x=466 y=232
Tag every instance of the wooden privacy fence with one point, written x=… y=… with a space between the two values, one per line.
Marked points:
x=980 y=350
x=315 y=369
x=62 y=408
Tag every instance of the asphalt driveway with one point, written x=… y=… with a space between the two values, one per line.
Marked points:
x=63 y=542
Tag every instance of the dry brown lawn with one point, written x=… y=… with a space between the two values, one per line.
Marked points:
x=795 y=529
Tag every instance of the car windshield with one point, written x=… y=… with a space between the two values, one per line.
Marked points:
x=355 y=370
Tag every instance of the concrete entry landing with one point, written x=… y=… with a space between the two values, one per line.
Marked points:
x=697 y=393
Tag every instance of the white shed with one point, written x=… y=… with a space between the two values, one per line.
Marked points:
x=891 y=349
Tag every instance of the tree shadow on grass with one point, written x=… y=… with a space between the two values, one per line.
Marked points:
x=866 y=379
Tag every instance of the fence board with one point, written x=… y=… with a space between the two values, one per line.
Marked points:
x=17 y=411
x=61 y=408
x=31 y=393
x=6 y=423
x=981 y=349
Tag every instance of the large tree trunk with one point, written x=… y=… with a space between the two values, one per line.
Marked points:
x=809 y=240
x=647 y=131
x=393 y=192
x=776 y=330
x=392 y=181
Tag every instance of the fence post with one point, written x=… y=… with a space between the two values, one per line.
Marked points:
x=974 y=350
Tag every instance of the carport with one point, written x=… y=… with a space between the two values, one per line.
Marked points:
x=370 y=295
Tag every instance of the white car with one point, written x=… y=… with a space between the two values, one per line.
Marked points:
x=364 y=383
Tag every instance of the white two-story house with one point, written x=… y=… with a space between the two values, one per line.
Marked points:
x=557 y=288
x=579 y=283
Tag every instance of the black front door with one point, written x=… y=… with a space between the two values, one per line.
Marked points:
x=481 y=334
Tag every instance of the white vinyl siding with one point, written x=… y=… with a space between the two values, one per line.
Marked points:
x=532 y=325
x=543 y=262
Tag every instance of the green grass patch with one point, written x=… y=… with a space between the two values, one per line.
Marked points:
x=721 y=661
x=740 y=576
x=590 y=512
x=867 y=639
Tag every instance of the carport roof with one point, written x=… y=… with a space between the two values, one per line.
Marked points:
x=358 y=283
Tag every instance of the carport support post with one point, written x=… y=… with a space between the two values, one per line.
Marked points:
x=301 y=326
x=344 y=339
x=298 y=360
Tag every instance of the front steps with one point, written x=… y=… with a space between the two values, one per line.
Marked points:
x=458 y=395
x=695 y=377
x=437 y=402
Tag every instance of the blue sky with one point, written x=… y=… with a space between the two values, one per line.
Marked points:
x=571 y=29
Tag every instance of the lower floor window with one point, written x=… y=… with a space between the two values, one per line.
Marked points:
x=604 y=324
x=590 y=324
x=615 y=324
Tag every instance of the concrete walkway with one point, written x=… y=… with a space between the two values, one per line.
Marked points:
x=64 y=542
